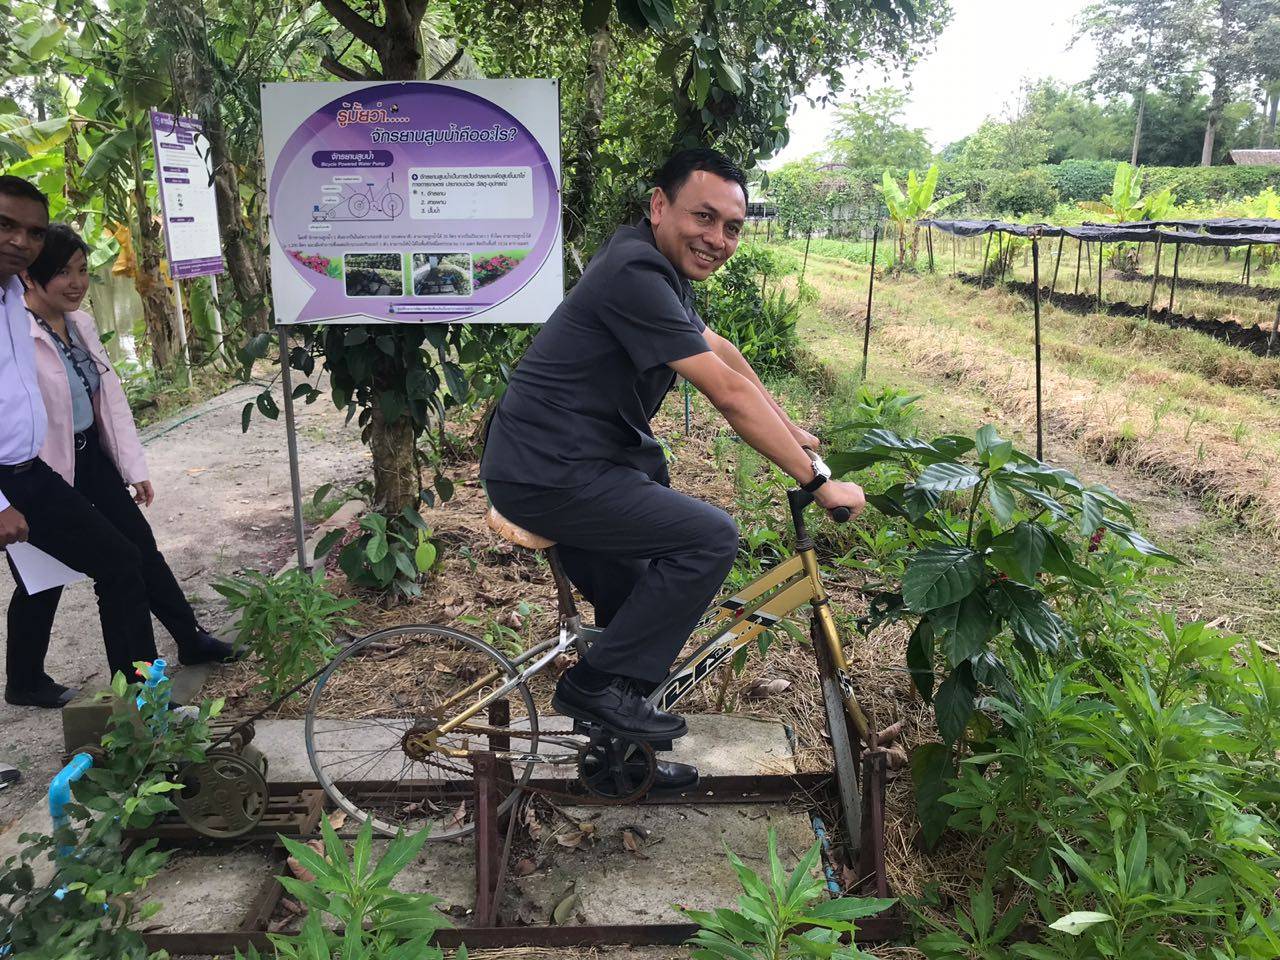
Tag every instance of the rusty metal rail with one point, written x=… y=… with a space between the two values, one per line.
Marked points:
x=491 y=850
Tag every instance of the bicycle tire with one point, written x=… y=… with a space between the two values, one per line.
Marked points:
x=443 y=651
x=843 y=752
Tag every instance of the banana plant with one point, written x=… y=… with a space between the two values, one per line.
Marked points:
x=908 y=207
x=1126 y=204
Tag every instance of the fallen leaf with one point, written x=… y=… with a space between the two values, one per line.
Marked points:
x=453 y=611
x=441 y=667
x=532 y=823
x=897 y=757
x=560 y=664
x=459 y=816
x=523 y=867
x=338 y=819
x=290 y=905
x=633 y=843
x=196 y=471
x=889 y=734
x=565 y=909
x=759 y=689
x=587 y=827
x=573 y=839
x=299 y=871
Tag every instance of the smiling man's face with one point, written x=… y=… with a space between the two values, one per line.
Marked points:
x=699 y=228
x=23 y=223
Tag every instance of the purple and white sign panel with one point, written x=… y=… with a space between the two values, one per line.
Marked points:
x=187 y=200
x=414 y=202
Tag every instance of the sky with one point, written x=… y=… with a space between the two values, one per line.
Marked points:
x=976 y=68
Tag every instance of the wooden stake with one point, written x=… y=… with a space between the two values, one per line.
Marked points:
x=986 y=256
x=1079 y=257
x=1155 y=278
x=1100 y=246
x=871 y=286
x=1056 y=264
x=1173 y=284
x=1035 y=287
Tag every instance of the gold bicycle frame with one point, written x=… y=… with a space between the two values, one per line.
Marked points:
x=736 y=620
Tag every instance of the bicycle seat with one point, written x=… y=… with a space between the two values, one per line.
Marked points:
x=517 y=535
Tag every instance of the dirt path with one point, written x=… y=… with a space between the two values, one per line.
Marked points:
x=222 y=504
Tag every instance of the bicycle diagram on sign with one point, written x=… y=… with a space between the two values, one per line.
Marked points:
x=360 y=200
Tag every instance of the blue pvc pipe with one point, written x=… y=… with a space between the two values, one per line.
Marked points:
x=60 y=787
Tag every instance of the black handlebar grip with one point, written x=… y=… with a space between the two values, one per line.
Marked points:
x=841 y=514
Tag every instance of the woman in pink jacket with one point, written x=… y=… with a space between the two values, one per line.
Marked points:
x=93 y=444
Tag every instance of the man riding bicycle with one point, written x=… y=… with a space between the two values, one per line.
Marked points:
x=571 y=455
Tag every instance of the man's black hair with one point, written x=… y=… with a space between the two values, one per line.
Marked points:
x=60 y=245
x=12 y=186
x=676 y=170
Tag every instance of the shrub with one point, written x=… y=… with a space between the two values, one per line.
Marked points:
x=781 y=917
x=1078 y=180
x=88 y=905
x=366 y=917
x=737 y=304
x=390 y=555
x=287 y=621
x=1023 y=193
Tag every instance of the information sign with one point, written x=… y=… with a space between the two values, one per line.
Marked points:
x=414 y=202
x=187 y=200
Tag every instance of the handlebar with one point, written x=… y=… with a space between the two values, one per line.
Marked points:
x=839 y=514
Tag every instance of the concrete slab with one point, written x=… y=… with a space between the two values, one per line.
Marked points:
x=684 y=861
x=207 y=889
x=720 y=744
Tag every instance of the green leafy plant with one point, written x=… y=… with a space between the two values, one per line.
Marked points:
x=1125 y=203
x=390 y=555
x=288 y=622
x=915 y=203
x=89 y=907
x=781 y=916
x=976 y=934
x=738 y=304
x=992 y=536
x=503 y=631
x=368 y=920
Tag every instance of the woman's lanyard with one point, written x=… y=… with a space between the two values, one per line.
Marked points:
x=66 y=352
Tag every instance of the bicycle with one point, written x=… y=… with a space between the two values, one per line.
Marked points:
x=387 y=203
x=426 y=717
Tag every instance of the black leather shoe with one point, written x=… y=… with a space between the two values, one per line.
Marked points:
x=206 y=648
x=671 y=777
x=675 y=776
x=51 y=696
x=619 y=708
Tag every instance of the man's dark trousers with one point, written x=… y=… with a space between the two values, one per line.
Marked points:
x=648 y=558
x=65 y=525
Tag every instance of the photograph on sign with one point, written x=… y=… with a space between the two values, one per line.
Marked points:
x=414 y=202
x=187 y=200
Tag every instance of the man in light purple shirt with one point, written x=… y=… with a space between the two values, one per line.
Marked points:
x=36 y=504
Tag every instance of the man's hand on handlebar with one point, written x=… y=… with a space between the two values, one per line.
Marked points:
x=841 y=493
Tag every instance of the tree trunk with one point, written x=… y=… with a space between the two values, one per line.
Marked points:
x=157 y=308
x=592 y=122
x=195 y=89
x=1271 y=120
x=1137 y=126
x=395 y=475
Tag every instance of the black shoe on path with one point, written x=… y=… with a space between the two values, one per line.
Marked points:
x=671 y=777
x=619 y=708
x=206 y=648
x=50 y=695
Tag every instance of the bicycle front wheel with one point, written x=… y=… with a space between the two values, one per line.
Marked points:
x=379 y=734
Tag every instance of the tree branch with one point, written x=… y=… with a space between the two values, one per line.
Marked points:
x=340 y=69
x=358 y=26
x=453 y=62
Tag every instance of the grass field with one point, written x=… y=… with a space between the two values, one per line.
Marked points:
x=1186 y=427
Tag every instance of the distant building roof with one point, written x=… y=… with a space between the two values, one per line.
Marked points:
x=1256 y=158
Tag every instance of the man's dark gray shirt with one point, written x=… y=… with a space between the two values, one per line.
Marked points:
x=581 y=399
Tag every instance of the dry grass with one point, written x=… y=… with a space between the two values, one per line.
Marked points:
x=1104 y=392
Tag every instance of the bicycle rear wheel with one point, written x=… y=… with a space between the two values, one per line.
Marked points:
x=843 y=750
x=373 y=728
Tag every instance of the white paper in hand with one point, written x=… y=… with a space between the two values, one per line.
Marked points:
x=39 y=571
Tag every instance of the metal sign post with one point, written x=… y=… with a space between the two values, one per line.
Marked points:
x=182 y=332
x=291 y=436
